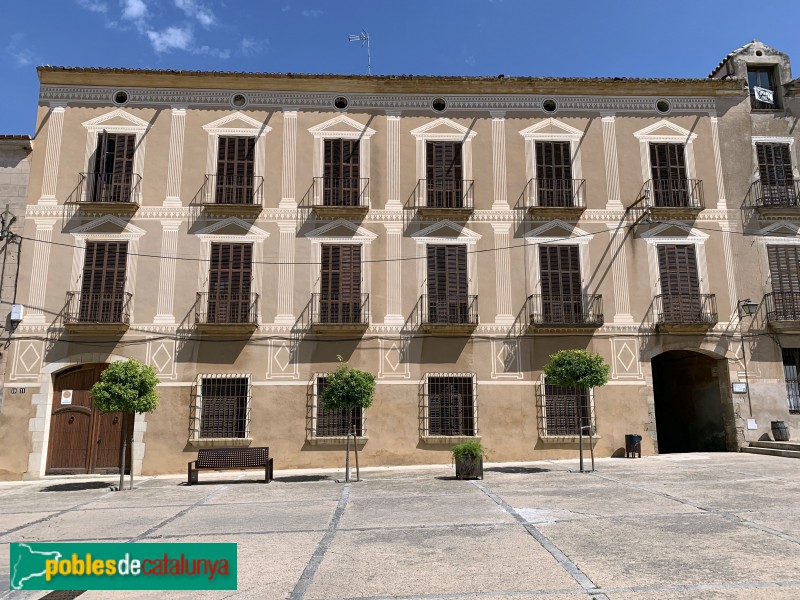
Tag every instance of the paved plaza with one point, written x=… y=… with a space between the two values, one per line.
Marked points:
x=675 y=526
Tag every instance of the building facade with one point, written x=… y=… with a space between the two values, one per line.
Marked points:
x=240 y=231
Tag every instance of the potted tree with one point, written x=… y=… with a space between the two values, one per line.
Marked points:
x=349 y=389
x=578 y=369
x=469 y=460
x=128 y=387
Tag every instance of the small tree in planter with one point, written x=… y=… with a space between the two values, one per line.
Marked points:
x=469 y=460
x=128 y=387
x=577 y=369
x=349 y=389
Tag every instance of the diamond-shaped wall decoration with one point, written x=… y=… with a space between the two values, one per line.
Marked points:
x=626 y=359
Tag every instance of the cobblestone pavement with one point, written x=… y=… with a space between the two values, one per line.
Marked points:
x=697 y=526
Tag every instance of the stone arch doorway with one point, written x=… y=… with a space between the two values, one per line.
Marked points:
x=689 y=407
x=82 y=439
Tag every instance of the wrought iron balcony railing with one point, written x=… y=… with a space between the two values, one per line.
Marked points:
x=773 y=195
x=555 y=194
x=782 y=306
x=340 y=192
x=232 y=191
x=449 y=310
x=574 y=310
x=108 y=188
x=685 y=310
x=224 y=309
x=686 y=194
x=340 y=310
x=444 y=195
x=97 y=308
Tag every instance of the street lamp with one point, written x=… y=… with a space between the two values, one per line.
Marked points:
x=746 y=308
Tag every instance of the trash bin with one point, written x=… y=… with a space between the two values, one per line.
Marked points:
x=633 y=445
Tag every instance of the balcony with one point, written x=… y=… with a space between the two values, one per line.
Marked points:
x=579 y=311
x=685 y=312
x=232 y=195
x=107 y=192
x=225 y=314
x=337 y=197
x=444 y=198
x=339 y=313
x=555 y=198
x=673 y=198
x=774 y=199
x=448 y=314
x=783 y=311
x=98 y=312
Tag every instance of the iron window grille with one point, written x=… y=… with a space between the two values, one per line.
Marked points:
x=449 y=405
x=562 y=410
x=330 y=423
x=791 y=365
x=221 y=407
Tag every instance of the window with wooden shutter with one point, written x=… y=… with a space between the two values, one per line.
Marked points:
x=791 y=367
x=680 y=283
x=113 y=168
x=103 y=283
x=229 y=279
x=235 y=170
x=668 y=172
x=225 y=407
x=784 y=271
x=451 y=406
x=560 y=272
x=340 y=283
x=565 y=410
x=341 y=173
x=444 y=175
x=554 y=174
x=336 y=422
x=448 y=283
x=775 y=173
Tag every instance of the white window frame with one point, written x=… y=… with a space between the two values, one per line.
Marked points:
x=766 y=139
x=352 y=130
x=95 y=127
x=542 y=413
x=567 y=133
x=693 y=237
x=425 y=435
x=197 y=414
x=682 y=136
x=459 y=133
x=466 y=237
x=539 y=237
x=316 y=403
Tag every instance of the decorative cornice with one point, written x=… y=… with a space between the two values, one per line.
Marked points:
x=383 y=102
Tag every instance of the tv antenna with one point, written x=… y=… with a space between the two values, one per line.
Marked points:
x=363 y=37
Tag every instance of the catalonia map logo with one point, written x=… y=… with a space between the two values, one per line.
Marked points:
x=123 y=566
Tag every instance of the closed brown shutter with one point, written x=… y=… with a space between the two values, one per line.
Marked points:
x=235 y=170
x=668 y=171
x=336 y=422
x=113 y=168
x=340 y=283
x=103 y=283
x=560 y=271
x=775 y=171
x=451 y=408
x=448 y=284
x=553 y=174
x=229 y=277
x=445 y=174
x=341 y=173
x=224 y=412
x=680 y=283
x=785 y=277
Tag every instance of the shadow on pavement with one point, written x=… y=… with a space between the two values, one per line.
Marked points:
x=521 y=470
x=77 y=486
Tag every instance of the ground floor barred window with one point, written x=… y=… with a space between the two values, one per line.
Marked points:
x=336 y=422
x=223 y=404
x=563 y=410
x=451 y=406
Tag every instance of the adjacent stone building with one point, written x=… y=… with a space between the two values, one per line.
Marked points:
x=239 y=231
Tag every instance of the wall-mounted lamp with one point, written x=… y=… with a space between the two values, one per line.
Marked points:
x=746 y=307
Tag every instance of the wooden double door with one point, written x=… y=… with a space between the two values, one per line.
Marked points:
x=83 y=439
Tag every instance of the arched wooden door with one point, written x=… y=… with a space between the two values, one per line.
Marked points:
x=82 y=439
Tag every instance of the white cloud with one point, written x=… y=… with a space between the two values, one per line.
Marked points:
x=313 y=12
x=249 y=46
x=171 y=38
x=22 y=55
x=286 y=8
x=223 y=54
x=134 y=10
x=93 y=6
x=197 y=10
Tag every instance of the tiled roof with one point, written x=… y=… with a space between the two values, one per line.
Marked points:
x=22 y=137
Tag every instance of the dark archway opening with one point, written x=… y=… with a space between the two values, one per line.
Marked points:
x=689 y=412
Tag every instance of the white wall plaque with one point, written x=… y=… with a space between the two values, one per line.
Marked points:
x=66 y=396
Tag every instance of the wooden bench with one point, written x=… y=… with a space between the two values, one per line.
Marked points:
x=221 y=459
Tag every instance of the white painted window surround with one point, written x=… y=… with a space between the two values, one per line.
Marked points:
x=675 y=232
x=444 y=130
x=765 y=139
x=554 y=233
x=563 y=133
x=665 y=132
x=446 y=232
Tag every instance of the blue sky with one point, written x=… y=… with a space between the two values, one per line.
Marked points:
x=625 y=38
